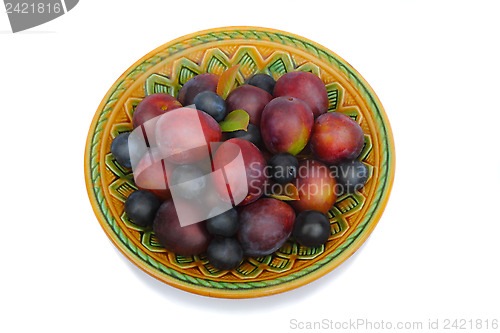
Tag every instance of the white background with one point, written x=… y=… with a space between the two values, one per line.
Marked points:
x=434 y=254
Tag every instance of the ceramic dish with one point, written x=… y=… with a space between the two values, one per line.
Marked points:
x=166 y=69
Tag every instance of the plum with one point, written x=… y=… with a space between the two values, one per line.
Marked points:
x=245 y=178
x=311 y=228
x=184 y=240
x=305 y=86
x=151 y=174
x=263 y=81
x=286 y=125
x=316 y=186
x=120 y=150
x=252 y=134
x=249 y=98
x=225 y=253
x=225 y=224
x=336 y=138
x=283 y=168
x=188 y=181
x=153 y=106
x=350 y=176
x=196 y=85
x=265 y=225
x=141 y=207
x=211 y=103
x=183 y=135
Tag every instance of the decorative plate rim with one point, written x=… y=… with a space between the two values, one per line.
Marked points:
x=206 y=286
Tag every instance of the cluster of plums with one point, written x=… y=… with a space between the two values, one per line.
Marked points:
x=286 y=117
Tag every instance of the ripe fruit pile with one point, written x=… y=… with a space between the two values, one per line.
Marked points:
x=267 y=123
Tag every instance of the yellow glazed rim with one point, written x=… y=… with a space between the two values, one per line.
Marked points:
x=299 y=54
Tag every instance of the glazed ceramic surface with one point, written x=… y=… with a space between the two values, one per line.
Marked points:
x=257 y=50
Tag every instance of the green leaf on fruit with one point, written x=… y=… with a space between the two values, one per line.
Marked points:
x=235 y=121
x=285 y=192
x=226 y=81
